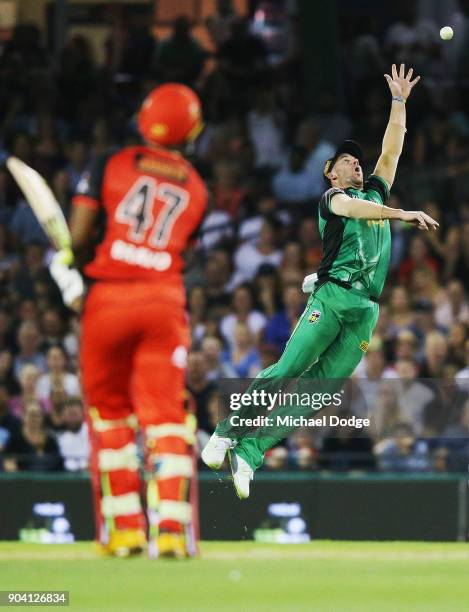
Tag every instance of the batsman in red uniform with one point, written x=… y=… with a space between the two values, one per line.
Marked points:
x=134 y=328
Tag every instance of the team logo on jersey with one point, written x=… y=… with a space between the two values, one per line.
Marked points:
x=314 y=316
x=364 y=345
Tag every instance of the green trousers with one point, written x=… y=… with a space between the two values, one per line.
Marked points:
x=328 y=342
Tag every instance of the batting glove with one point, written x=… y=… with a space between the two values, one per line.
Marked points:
x=69 y=280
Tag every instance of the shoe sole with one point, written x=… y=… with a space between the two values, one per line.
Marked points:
x=124 y=552
x=233 y=466
x=172 y=554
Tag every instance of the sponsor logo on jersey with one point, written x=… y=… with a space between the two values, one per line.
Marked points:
x=364 y=345
x=372 y=222
x=314 y=316
x=140 y=256
x=168 y=170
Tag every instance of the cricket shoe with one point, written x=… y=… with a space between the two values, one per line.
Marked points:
x=215 y=451
x=125 y=543
x=171 y=545
x=242 y=475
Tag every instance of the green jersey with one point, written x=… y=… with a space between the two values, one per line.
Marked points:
x=356 y=251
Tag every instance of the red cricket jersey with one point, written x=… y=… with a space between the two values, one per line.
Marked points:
x=153 y=200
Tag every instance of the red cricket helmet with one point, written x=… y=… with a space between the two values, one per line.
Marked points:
x=170 y=115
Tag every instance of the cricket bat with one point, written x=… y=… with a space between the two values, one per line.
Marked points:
x=42 y=201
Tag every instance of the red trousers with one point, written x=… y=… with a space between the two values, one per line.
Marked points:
x=133 y=356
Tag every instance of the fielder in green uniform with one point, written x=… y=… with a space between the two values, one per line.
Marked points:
x=335 y=329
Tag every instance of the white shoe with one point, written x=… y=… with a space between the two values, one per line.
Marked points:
x=215 y=451
x=242 y=475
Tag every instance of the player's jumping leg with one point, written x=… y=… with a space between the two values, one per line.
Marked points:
x=315 y=331
x=338 y=361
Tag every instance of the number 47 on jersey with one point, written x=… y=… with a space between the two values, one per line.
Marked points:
x=136 y=210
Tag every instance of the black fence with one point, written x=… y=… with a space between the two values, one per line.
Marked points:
x=283 y=507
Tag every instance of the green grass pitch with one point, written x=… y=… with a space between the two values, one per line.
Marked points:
x=245 y=576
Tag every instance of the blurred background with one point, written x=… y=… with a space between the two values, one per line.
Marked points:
x=282 y=83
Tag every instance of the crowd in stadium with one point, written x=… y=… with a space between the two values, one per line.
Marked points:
x=262 y=155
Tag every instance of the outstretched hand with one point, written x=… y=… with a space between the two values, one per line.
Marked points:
x=420 y=219
x=400 y=84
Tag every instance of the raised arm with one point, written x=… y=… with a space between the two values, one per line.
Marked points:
x=356 y=208
x=400 y=86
